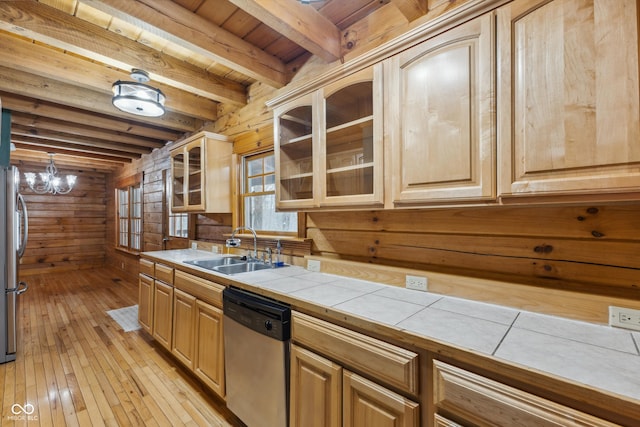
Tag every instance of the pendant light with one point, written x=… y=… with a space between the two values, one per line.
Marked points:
x=137 y=97
x=49 y=181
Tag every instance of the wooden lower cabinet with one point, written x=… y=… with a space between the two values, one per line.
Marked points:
x=316 y=390
x=209 y=346
x=367 y=404
x=324 y=394
x=472 y=399
x=145 y=302
x=184 y=310
x=163 y=313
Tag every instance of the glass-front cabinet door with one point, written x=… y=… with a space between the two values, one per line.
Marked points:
x=351 y=141
x=194 y=152
x=295 y=154
x=202 y=158
x=329 y=145
x=177 y=186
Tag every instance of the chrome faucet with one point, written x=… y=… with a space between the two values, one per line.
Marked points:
x=234 y=243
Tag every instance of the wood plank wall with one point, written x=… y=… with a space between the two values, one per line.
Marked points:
x=590 y=248
x=66 y=232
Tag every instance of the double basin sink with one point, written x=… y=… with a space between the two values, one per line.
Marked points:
x=229 y=265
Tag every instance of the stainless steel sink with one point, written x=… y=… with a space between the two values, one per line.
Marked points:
x=241 y=268
x=210 y=264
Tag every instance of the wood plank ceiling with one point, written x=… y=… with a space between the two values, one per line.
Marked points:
x=61 y=57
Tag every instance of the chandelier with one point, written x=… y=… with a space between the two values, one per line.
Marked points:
x=137 y=97
x=49 y=181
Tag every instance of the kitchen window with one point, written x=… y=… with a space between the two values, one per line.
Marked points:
x=129 y=221
x=258 y=198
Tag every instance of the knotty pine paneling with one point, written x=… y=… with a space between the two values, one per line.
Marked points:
x=587 y=248
x=66 y=232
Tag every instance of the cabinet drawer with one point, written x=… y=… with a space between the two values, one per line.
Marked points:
x=484 y=402
x=146 y=267
x=202 y=289
x=385 y=362
x=164 y=273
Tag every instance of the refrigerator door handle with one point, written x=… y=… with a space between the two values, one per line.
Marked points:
x=25 y=235
x=20 y=289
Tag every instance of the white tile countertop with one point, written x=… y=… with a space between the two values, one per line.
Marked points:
x=598 y=356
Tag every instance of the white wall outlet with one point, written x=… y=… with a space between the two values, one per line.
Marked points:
x=313 y=265
x=214 y=249
x=194 y=245
x=624 y=317
x=417 y=283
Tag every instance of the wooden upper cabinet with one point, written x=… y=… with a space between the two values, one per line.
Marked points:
x=294 y=154
x=350 y=151
x=329 y=145
x=201 y=174
x=440 y=118
x=568 y=109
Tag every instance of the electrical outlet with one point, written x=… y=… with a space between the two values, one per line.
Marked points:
x=624 y=317
x=313 y=265
x=194 y=245
x=417 y=283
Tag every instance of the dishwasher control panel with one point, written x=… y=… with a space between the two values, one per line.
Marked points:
x=258 y=313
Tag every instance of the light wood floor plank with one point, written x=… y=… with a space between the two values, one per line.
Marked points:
x=79 y=368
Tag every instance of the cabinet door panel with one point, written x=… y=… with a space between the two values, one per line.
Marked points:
x=569 y=96
x=441 y=110
x=162 y=313
x=183 y=327
x=145 y=302
x=316 y=390
x=209 y=357
x=295 y=146
x=367 y=404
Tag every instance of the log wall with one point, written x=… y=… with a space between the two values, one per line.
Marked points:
x=66 y=232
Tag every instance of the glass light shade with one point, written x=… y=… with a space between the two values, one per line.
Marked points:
x=138 y=98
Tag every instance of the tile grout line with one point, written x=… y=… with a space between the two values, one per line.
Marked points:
x=493 y=353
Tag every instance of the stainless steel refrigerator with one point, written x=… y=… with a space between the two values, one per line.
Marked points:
x=15 y=224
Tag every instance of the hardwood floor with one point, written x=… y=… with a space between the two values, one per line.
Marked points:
x=76 y=367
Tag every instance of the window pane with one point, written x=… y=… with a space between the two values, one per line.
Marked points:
x=269 y=164
x=179 y=225
x=255 y=185
x=270 y=183
x=260 y=214
x=254 y=167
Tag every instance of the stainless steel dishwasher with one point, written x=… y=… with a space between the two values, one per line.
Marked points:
x=257 y=331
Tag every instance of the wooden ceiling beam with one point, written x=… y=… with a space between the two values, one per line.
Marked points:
x=300 y=23
x=37 y=123
x=23 y=55
x=26 y=105
x=178 y=25
x=51 y=26
x=50 y=146
x=74 y=140
x=411 y=9
x=25 y=156
x=39 y=87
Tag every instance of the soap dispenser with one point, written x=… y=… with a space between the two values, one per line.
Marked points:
x=279 y=262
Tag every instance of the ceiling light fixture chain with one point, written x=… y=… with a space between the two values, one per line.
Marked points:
x=49 y=181
x=137 y=97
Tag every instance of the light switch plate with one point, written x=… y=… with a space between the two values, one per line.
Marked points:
x=313 y=265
